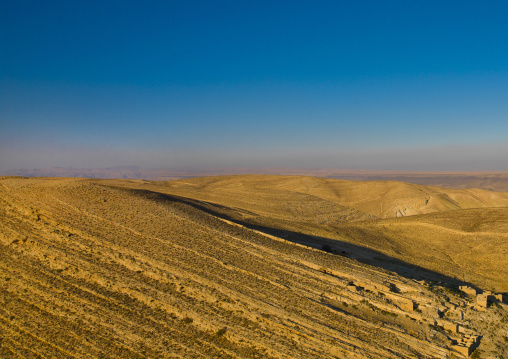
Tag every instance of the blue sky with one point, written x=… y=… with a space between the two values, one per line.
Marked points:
x=396 y=85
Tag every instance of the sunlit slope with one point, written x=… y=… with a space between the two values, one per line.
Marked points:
x=276 y=197
x=383 y=199
x=91 y=270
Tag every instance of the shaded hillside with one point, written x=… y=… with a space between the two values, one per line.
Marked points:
x=107 y=269
x=464 y=244
x=470 y=245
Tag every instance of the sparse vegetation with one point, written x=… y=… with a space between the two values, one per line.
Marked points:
x=385 y=312
x=476 y=354
x=221 y=331
x=176 y=259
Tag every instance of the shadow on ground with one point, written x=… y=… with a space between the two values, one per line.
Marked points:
x=333 y=246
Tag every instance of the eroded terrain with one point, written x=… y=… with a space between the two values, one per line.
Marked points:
x=193 y=269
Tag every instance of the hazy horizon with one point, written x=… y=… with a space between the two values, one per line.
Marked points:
x=365 y=85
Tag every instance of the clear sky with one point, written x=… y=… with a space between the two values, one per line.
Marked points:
x=398 y=85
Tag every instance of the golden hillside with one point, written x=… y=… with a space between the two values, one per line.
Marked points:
x=459 y=233
x=382 y=199
x=215 y=267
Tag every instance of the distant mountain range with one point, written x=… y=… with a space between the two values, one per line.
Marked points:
x=494 y=181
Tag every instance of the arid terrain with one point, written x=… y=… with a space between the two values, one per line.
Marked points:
x=494 y=181
x=251 y=266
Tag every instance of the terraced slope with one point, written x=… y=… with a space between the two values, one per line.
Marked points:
x=106 y=269
x=459 y=233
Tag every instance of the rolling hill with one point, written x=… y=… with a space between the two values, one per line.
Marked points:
x=233 y=267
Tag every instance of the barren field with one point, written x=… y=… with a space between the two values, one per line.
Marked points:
x=248 y=267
